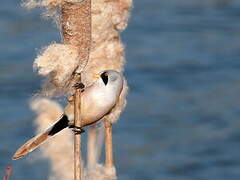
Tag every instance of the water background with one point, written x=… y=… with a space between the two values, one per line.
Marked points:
x=182 y=119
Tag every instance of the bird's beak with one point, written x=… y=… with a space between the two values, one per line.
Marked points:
x=97 y=76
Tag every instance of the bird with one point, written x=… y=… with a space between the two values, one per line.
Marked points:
x=97 y=100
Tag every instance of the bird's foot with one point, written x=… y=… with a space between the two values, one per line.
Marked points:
x=77 y=73
x=77 y=129
x=79 y=86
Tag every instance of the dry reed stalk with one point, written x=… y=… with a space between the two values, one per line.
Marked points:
x=92 y=156
x=8 y=172
x=108 y=145
x=77 y=137
x=76 y=30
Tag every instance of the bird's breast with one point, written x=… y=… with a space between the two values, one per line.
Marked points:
x=95 y=104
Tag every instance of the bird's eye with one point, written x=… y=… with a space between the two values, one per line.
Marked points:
x=104 y=77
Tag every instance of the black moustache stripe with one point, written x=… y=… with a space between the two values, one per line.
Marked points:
x=104 y=77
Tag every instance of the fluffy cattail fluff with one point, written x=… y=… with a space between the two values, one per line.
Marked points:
x=100 y=172
x=107 y=51
x=57 y=62
x=59 y=153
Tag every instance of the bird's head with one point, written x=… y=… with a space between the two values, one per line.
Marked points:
x=110 y=78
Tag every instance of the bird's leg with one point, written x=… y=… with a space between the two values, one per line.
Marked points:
x=108 y=145
x=76 y=129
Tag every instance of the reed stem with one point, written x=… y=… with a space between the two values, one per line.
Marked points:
x=77 y=137
x=108 y=145
x=76 y=31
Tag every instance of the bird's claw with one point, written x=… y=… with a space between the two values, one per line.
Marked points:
x=79 y=86
x=77 y=129
x=76 y=73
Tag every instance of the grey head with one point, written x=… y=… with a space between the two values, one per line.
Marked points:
x=112 y=79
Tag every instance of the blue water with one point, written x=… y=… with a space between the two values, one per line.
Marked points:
x=182 y=119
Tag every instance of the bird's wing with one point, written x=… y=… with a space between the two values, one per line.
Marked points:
x=36 y=141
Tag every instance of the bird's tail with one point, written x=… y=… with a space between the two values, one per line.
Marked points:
x=36 y=141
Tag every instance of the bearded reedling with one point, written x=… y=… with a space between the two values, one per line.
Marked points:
x=97 y=100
